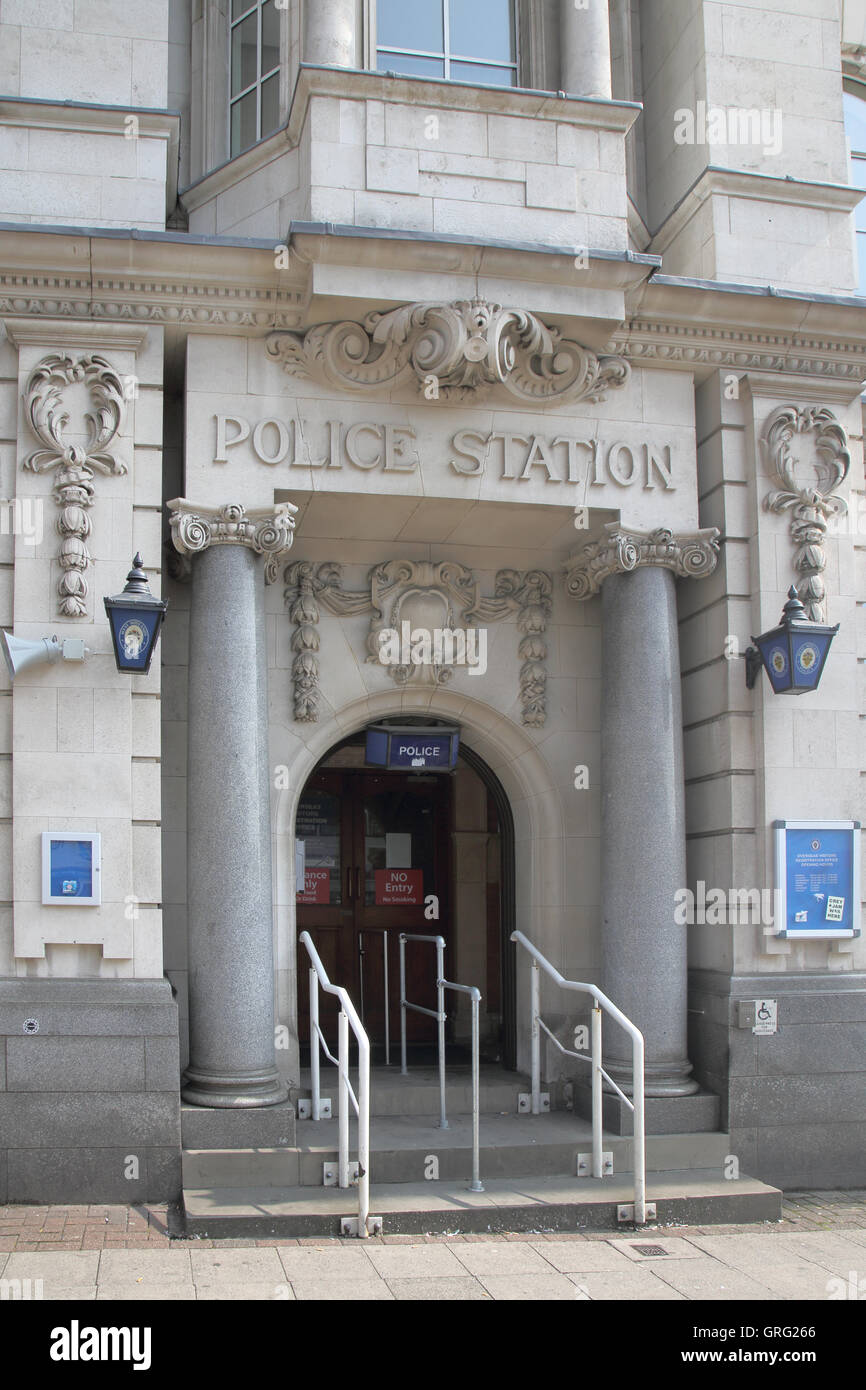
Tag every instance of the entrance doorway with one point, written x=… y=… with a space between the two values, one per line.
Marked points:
x=422 y=853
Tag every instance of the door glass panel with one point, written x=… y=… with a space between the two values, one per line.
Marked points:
x=398 y=848
x=318 y=825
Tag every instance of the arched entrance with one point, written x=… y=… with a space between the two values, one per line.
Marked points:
x=417 y=852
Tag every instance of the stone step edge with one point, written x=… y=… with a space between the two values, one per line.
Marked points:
x=747 y=1201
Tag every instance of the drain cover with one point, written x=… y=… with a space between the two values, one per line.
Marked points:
x=649 y=1250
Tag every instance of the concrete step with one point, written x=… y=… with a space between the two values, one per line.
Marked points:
x=418 y=1092
x=407 y=1149
x=539 y=1204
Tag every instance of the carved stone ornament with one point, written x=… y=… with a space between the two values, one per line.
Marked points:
x=45 y=400
x=268 y=531
x=407 y=598
x=807 y=485
x=455 y=351
x=691 y=555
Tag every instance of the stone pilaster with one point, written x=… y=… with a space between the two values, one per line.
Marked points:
x=643 y=812
x=230 y=895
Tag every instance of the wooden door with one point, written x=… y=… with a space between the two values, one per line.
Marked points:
x=377 y=851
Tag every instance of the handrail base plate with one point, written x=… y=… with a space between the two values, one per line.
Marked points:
x=524 y=1103
x=625 y=1211
x=349 y=1226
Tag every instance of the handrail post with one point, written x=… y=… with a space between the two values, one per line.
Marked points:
x=476 y=1185
x=440 y=999
x=363 y=1134
x=314 y=1044
x=597 y=1162
x=535 y=1008
x=387 y=1002
x=343 y=1070
x=639 y=1136
x=403 y=1004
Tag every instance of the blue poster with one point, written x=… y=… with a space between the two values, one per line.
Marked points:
x=818 y=874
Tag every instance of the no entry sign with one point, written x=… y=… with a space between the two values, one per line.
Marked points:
x=399 y=886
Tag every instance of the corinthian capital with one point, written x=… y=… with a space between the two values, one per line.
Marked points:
x=268 y=531
x=691 y=555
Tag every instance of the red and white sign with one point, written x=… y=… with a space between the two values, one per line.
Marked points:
x=317 y=887
x=399 y=886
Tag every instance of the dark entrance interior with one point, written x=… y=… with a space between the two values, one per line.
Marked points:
x=384 y=852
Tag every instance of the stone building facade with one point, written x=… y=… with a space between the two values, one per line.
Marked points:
x=508 y=325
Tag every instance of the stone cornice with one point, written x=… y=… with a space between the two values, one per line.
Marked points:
x=364 y=85
x=92 y=119
x=269 y=531
x=64 y=333
x=709 y=347
x=743 y=183
x=196 y=283
x=691 y=555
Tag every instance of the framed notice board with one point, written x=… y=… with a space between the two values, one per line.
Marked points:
x=817 y=878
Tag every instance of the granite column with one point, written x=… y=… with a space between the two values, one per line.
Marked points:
x=230 y=897
x=643 y=849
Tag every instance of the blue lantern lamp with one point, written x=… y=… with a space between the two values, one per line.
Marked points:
x=793 y=654
x=135 y=617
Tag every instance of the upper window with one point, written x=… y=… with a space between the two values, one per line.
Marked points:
x=854 y=102
x=254 y=95
x=462 y=40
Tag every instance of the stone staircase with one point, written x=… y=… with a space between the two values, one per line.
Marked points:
x=260 y=1172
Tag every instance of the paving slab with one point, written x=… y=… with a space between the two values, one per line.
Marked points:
x=260 y=1292
x=630 y=1285
x=568 y=1256
x=501 y=1259
x=256 y=1266
x=535 y=1288
x=61 y=1267
x=797 y=1281
x=139 y=1293
x=340 y=1290
x=78 y=1293
x=416 y=1261
x=304 y=1262
x=438 y=1290
x=144 y=1267
x=704 y=1278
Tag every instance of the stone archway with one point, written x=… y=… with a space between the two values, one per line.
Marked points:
x=521 y=782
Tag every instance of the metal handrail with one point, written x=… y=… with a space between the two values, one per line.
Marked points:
x=440 y=1015
x=380 y=931
x=361 y=1102
x=636 y=1105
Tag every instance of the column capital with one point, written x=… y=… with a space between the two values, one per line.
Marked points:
x=690 y=554
x=268 y=531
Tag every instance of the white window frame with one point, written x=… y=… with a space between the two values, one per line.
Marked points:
x=94 y=898
x=253 y=6
x=448 y=57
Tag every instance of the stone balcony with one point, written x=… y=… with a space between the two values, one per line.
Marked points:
x=372 y=150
